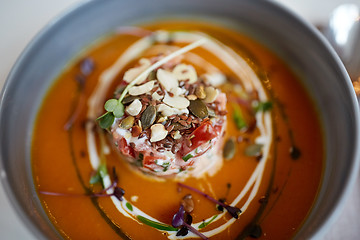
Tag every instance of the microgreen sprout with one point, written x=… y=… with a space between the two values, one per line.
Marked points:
x=118 y=192
x=179 y=221
x=234 y=211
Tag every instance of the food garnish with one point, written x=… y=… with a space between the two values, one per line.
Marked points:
x=234 y=211
x=179 y=221
x=116 y=108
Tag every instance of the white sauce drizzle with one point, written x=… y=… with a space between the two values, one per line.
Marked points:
x=238 y=66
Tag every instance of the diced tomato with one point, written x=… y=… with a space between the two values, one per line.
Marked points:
x=125 y=148
x=204 y=133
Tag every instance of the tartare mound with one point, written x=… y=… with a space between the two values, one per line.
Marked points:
x=173 y=120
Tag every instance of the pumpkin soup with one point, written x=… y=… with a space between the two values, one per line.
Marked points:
x=177 y=130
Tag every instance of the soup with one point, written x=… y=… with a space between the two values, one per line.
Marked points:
x=228 y=146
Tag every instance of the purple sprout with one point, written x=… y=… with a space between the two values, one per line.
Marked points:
x=179 y=221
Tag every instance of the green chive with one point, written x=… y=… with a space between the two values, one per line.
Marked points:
x=204 y=224
x=95 y=179
x=187 y=157
x=239 y=119
x=129 y=206
x=102 y=170
x=157 y=225
x=263 y=106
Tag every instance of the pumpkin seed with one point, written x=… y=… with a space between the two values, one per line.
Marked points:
x=152 y=75
x=188 y=203
x=200 y=92
x=127 y=122
x=129 y=99
x=198 y=108
x=148 y=117
x=178 y=126
x=253 y=150
x=229 y=149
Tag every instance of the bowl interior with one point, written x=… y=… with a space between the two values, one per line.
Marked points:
x=295 y=42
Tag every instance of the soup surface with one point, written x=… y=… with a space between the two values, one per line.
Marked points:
x=271 y=146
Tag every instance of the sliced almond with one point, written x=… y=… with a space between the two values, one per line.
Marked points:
x=156 y=96
x=176 y=101
x=177 y=135
x=191 y=97
x=144 y=88
x=211 y=94
x=158 y=132
x=132 y=73
x=185 y=72
x=178 y=91
x=165 y=110
x=134 y=108
x=167 y=79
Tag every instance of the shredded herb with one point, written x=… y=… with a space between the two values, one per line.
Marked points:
x=204 y=224
x=187 y=157
x=157 y=225
x=263 y=106
x=239 y=119
x=129 y=206
x=100 y=174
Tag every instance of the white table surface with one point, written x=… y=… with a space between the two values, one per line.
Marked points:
x=20 y=20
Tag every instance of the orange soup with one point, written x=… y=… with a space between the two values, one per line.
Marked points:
x=205 y=134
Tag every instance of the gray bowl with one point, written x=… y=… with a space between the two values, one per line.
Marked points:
x=295 y=41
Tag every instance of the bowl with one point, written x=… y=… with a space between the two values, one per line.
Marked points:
x=296 y=42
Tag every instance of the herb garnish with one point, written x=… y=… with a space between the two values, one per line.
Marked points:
x=263 y=106
x=179 y=221
x=238 y=118
x=204 y=224
x=100 y=174
x=234 y=211
x=157 y=225
x=118 y=192
x=187 y=157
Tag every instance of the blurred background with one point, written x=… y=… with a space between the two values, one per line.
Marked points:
x=20 y=20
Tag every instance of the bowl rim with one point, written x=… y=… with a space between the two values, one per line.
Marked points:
x=349 y=182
